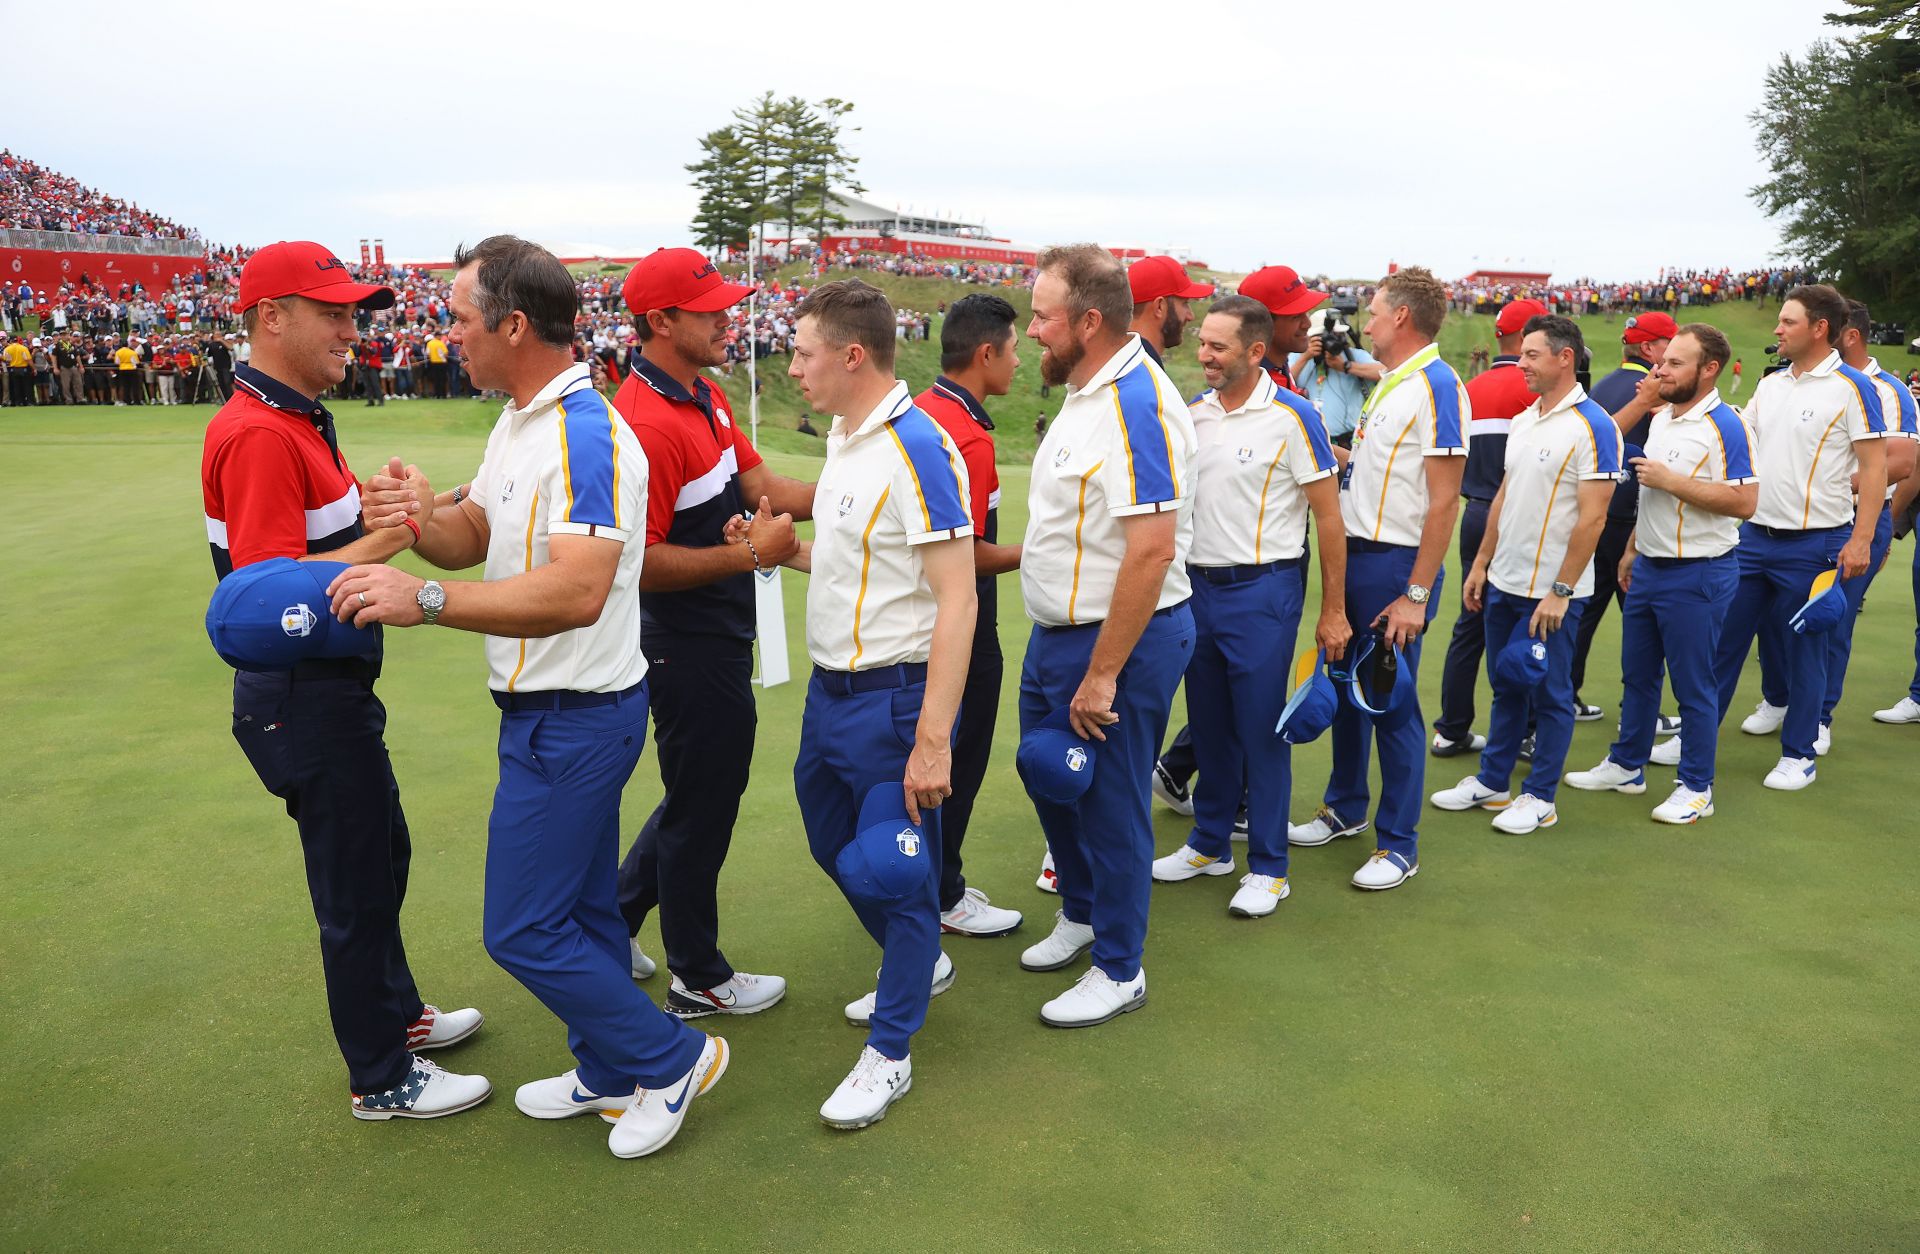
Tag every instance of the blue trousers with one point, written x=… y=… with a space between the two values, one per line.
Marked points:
x=1237 y=684
x=1671 y=623
x=1103 y=844
x=1548 y=704
x=1776 y=572
x=1914 y=690
x=1773 y=684
x=850 y=742
x=552 y=913
x=1376 y=576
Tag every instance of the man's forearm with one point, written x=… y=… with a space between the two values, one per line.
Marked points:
x=1136 y=595
x=1331 y=532
x=449 y=538
x=1733 y=500
x=947 y=658
x=1436 y=534
x=545 y=601
x=995 y=559
x=675 y=567
x=376 y=546
x=1580 y=546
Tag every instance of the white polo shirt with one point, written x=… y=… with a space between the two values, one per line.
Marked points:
x=1122 y=445
x=1896 y=402
x=1708 y=442
x=566 y=465
x=1250 y=467
x=1549 y=454
x=1419 y=409
x=1804 y=427
x=895 y=484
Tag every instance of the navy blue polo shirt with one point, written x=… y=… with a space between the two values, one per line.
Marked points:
x=1613 y=394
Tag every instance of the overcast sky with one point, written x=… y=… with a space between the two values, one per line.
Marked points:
x=1331 y=137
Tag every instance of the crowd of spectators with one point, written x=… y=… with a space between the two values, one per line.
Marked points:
x=34 y=198
x=1673 y=290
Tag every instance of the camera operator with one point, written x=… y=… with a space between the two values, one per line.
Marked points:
x=1335 y=373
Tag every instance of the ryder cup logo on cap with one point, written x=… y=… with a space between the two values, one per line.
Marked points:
x=1523 y=662
x=886 y=859
x=1054 y=762
x=1310 y=709
x=272 y=614
x=1826 y=606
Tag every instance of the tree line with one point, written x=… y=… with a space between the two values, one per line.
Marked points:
x=779 y=162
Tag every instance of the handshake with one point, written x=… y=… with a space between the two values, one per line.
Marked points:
x=770 y=538
x=399 y=493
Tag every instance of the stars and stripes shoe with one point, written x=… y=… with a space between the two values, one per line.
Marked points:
x=1259 y=896
x=1790 y=774
x=860 y=1013
x=654 y=1116
x=1066 y=942
x=1444 y=748
x=437 y=1028
x=1049 y=881
x=1171 y=792
x=739 y=994
x=563 y=1097
x=1684 y=806
x=974 y=915
x=1187 y=863
x=1905 y=710
x=875 y=1083
x=1527 y=814
x=1324 y=827
x=428 y=1092
x=1470 y=792
x=641 y=965
x=1765 y=719
x=1385 y=869
x=1609 y=775
x=1095 y=998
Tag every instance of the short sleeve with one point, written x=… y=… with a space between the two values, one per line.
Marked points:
x=1599 y=455
x=1864 y=417
x=586 y=496
x=1141 y=470
x=1736 y=446
x=1448 y=411
x=1309 y=452
x=931 y=486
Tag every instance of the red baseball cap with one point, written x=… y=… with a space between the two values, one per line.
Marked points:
x=679 y=278
x=1648 y=327
x=1514 y=317
x=1154 y=277
x=1281 y=290
x=304 y=268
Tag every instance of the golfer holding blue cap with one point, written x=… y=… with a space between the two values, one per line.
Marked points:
x=1263 y=459
x=1697 y=480
x=277 y=490
x=1534 y=573
x=890 y=616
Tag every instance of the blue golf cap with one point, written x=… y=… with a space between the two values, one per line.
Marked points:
x=887 y=859
x=1826 y=606
x=1054 y=762
x=1376 y=681
x=1523 y=662
x=1310 y=709
x=272 y=614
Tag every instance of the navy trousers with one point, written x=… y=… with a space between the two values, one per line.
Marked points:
x=1548 y=704
x=1670 y=625
x=1777 y=569
x=1773 y=684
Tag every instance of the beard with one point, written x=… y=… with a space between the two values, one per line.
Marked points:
x=1057 y=364
x=1171 y=328
x=1680 y=393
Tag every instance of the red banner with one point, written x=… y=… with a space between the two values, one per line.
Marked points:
x=365 y=258
x=379 y=252
x=45 y=270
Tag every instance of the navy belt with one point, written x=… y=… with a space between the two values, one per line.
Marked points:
x=846 y=683
x=1357 y=545
x=1788 y=533
x=1175 y=608
x=1673 y=563
x=1238 y=574
x=562 y=699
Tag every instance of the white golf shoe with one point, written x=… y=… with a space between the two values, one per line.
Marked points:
x=563 y=1097
x=1323 y=828
x=437 y=1028
x=1905 y=710
x=428 y=1092
x=1095 y=998
x=1066 y=942
x=1173 y=795
x=1790 y=774
x=875 y=1083
x=1385 y=869
x=1259 y=896
x=1470 y=792
x=1527 y=814
x=654 y=1116
x=1822 y=741
x=860 y=1013
x=1666 y=753
x=740 y=994
x=1609 y=775
x=1765 y=719
x=1187 y=863
x=974 y=915
x=1684 y=806
x=1049 y=881
x=642 y=966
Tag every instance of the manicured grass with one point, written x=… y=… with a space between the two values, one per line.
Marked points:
x=1610 y=1035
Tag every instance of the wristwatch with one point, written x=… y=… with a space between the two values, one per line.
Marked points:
x=1417 y=594
x=431 y=598
x=1562 y=589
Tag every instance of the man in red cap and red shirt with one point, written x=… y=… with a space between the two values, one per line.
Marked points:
x=1630 y=394
x=1163 y=297
x=696 y=620
x=276 y=485
x=1496 y=394
x=1289 y=299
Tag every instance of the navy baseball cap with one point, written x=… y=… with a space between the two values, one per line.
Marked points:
x=887 y=859
x=1522 y=663
x=1310 y=709
x=1377 y=681
x=272 y=614
x=1826 y=606
x=1054 y=762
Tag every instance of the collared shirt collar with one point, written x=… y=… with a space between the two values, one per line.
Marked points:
x=1572 y=398
x=1122 y=361
x=556 y=387
x=955 y=391
x=1701 y=407
x=1827 y=366
x=669 y=387
x=270 y=391
x=1152 y=352
x=896 y=402
x=1419 y=361
x=1507 y=359
x=1262 y=396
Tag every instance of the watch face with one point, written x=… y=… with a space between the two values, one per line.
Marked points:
x=1416 y=594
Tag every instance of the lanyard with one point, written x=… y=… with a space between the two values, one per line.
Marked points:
x=1407 y=369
